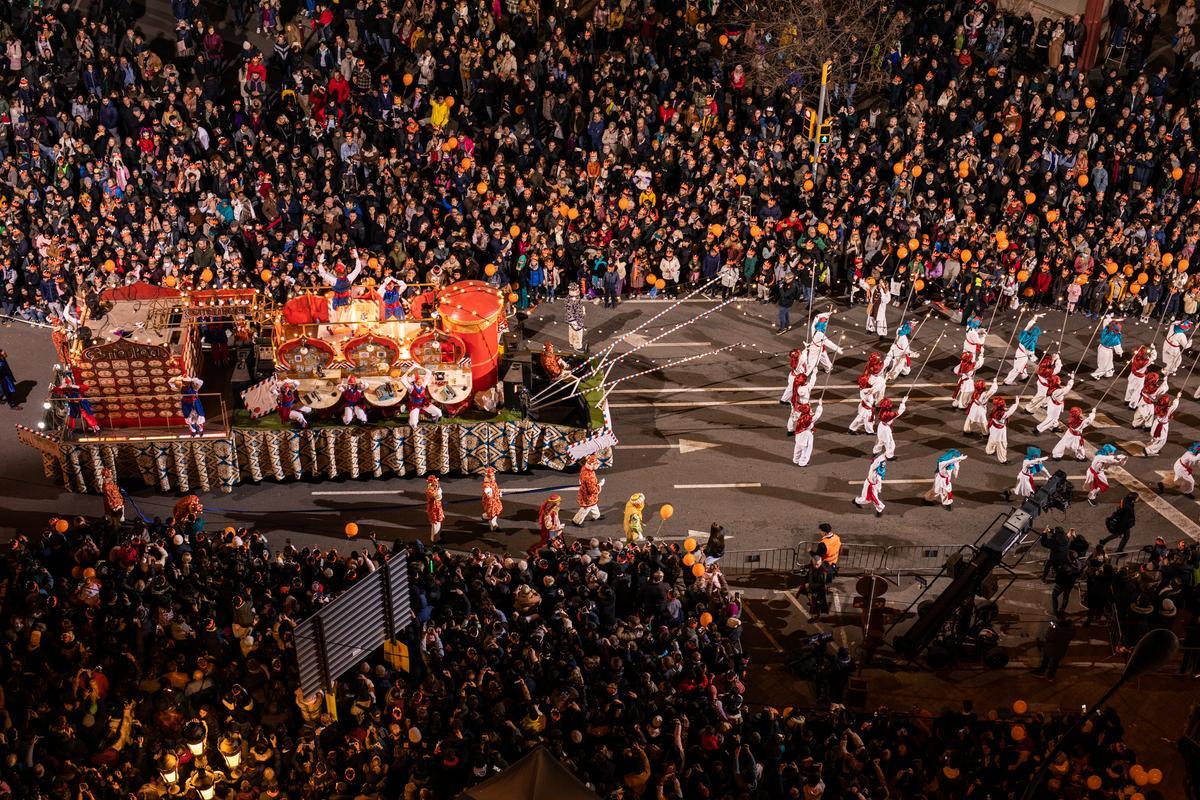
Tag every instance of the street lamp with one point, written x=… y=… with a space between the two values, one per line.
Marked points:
x=230 y=747
x=195 y=735
x=168 y=768
x=205 y=784
x=1151 y=652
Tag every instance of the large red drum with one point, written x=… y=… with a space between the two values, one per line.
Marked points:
x=472 y=311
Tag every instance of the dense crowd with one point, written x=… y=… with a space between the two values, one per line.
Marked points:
x=440 y=138
x=137 y=653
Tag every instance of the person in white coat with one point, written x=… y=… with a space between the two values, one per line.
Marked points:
x=1050 y=366
x=1096 y=480
x=876 y=373
x=1110 y=346
x=865 y=418
x=943 y=479
x=966 y=380
x=820 y=346
x=885 y=415
x=974 y=340
x=1178 y=340
x=801 y=391
x=1056 y=399
x=797 y=362
x=1072 y=438
x=806 y=421
x=1164 y=410
x=878 y=298
x=1027 y=342
x=1139 y=365
x=872 y=488
x=1152 y=388
x=1033 y=466
x=977 y=407
x=997 y=443
x=900 y=355
x=1184 y=477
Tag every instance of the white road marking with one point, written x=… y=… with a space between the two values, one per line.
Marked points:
x=683 y=445
x=779 y=388
x=711 y=403
x=718 y=485
x=677 y=344
x=359 y=491
x=759 y=624
x=648 y=300
x=691 y=535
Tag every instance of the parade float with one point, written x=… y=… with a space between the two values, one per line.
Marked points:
x=118 y=362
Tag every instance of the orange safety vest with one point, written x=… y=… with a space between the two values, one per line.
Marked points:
x=833 y=547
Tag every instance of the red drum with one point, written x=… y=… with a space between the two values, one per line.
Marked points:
x=472 y=310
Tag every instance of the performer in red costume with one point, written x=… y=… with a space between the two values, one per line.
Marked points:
x=354 y=401
x=419 y=401
x=589 y=491
x=433 y=507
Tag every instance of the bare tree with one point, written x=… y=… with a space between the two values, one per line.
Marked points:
x=787 y=41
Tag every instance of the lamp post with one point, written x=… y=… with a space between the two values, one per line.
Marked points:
x=168 y=768
x=1151 y=652
x=195 y=735
x=230 y=748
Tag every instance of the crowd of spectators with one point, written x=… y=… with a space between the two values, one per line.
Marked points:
x=133 y=653
x=609 y=146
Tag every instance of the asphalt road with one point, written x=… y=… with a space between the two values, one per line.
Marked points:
x=706 y=436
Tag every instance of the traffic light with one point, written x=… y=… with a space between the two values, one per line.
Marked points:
x=825 y=134
x=811 y=116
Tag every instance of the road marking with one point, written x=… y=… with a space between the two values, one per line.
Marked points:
x=718 y=485
x=711 y=403
x=677 y=344
x=791 y=596
x=758 y=623
x=684 y=446
x=689 y=535
x=704 y=390
x=648 y=300
x=360 y=491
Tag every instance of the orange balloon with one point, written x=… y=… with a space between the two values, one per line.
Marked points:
x=408 y=79
x=1167 y=258
x=1090 y=101
x=653 y=279
x=489 y=270
x=449 y=102
x=997 y=138
x=352 y=529
x=901 y=252
x=1059 y=116
x=1143 y=278
x=1128 y=270
x=914 y=244
x=808 y=185
x=1052 y=216
x=110 y=265
x=1135 y=288
x=689 y=544
x=453 y=142
x=467 y=163
x=1030 y=198
x=716 y=230
x=898 y=167
x=89 y=573
x=1018 y=733
x=1094 y=782
x=1082 y=180
x=1023 y=275
x=206 y=275
x=756 y=231
x=965 y=256
x=723 y=39
x=1182 y=265
x=513 y=297
x=1111 y=268
x=688 y=559
x=919 y=284
x=697 y=570
x=481 y=187
x=822 y=228
x=265 y=275
x=1177 y=173
x=170 y=280
x=572 y=213
x=740 y=180
x=705 y=619
x=660 y=284
x=1020 y=707
x=61 y=525
x=916 y=171
x=1155 y=775
x=514 y=231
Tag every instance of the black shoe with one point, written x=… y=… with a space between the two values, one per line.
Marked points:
x=1190 y=496
x=878 y=514
x=1092 y=501
x=1007 y=495
x=856 y=503
x=949 y=506
x=1159 y=487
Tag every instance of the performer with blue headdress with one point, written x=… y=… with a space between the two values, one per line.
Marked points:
x=943 y=480
x=1033 y=466
x=899 y=357
x=819 y=345
x=1110 y=345
x=393 y=298
x=1178 y=340
x=872 y=488
x=342 y=284
x=1184 y=478
x=1096 y=481
x=190 y=406
x=974 y=340
x=1026 y=351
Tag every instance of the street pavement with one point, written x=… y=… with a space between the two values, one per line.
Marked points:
x=707 y=436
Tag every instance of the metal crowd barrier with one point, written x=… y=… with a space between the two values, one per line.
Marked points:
x=770 y=559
